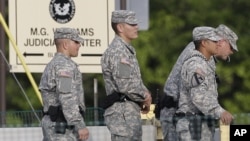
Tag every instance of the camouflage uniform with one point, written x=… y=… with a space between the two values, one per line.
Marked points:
x=198 y=90
x=121 y=73
x=172 y=85
x=61 y=84
x=171 y=88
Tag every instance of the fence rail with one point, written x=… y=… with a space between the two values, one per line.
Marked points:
x=93 y=117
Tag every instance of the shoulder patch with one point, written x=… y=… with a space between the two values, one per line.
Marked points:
x=197 y=78
x=200 y=71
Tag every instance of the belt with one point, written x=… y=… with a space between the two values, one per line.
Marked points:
x=70 y=127
x=64 y=125
x=45 y=113
x=169 y=102
x=124 y=98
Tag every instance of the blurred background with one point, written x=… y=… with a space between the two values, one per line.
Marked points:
x=170 y=29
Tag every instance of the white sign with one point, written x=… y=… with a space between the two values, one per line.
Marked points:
x=32 y=23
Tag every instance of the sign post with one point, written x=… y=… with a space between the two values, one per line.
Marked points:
x=33 y=22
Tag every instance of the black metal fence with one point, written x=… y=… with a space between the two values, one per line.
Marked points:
x=93 y=117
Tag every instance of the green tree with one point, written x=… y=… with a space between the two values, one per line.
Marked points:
x=170 y=30
x=171 y=24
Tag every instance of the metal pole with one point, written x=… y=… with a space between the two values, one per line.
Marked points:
x=123 y=4
x=2 y=69
x=20 y=56
x=95 y=100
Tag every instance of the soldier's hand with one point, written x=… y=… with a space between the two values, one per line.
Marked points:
x=83 y=134
x=145 y=107
x=226 y=118
x=148 y=99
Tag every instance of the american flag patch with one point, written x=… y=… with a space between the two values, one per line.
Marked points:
x=125 y=61
x=65 y=73
x=200 y=71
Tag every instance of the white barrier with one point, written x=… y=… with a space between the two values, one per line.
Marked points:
x=97 y=133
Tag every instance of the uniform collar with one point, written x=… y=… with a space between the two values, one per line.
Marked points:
x=130 y=48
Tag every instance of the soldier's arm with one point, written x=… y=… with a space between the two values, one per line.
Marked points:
x=204 y=95
x=127 y=78
x=67 y=100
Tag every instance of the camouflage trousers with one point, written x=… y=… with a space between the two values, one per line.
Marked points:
x=183 y=131
x=49 y=134
x=123 y=120
x=167 y=125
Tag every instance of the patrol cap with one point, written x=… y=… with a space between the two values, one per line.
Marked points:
x=205 y=32
x=228 y=34
x=124 y=16
x=67 y=33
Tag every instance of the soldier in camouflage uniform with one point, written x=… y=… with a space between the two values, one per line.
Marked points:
x=122 y=75
x=198 y=90
x=61 y=85
x=226 y=47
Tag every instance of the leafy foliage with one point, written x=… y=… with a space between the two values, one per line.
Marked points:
x=171 y=25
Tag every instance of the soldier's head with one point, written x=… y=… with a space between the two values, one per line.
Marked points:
x=227 y=45
x=205 y=39
x=67 y=33
x=124 y=22
x=67 y=41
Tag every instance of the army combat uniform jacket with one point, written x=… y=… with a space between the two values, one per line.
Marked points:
x=172 y=89
x=198 y=93
x=121 y=74
x=61 y=85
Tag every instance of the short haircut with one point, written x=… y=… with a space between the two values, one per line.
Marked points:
x=114 y=27
x=197 y=44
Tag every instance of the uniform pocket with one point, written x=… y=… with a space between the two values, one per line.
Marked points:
x=115 y=121
x=124 y=70
x=65 y=84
